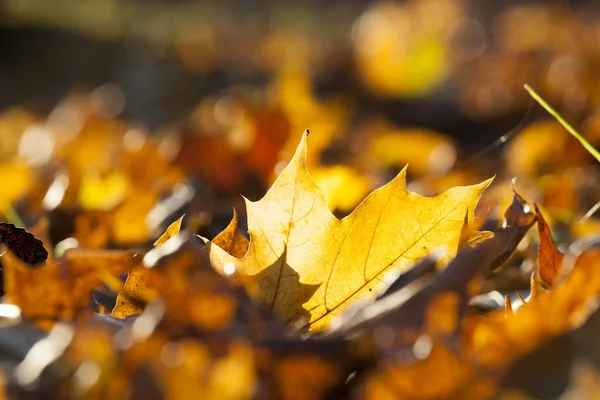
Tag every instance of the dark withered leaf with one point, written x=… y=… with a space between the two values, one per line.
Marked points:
x=23 y=244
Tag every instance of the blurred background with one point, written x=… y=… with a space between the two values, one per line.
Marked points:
x=132 y=110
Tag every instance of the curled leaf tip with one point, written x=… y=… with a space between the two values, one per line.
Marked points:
x=508 y=310
x=513 y=184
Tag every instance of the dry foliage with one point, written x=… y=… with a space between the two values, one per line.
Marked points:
x=405 y=297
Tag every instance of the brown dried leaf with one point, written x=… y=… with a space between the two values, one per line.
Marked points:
x=550 y=259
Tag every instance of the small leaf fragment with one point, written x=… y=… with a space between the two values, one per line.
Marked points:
x=171 y=231
x=231 y=240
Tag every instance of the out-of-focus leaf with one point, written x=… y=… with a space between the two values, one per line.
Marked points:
x=92 y=229
x=426 y=152
x=18 y=181
x=41 y=291
x=103 y=192
x=292 y=230
x=186 y=369
x=194 y=294
x=535 y=148
x=342 y=186
x=128 y=222
x=420 y=63
x=87 y=269
x=479 y=237
x=566 y=362
x=296 y=98
x=304 y=376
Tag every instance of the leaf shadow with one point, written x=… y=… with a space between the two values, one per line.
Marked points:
x=289 y=293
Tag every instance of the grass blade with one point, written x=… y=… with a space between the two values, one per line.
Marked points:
x=564 y=123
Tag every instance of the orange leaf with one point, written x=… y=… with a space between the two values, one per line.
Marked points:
x=41 y=292
x=231 y=240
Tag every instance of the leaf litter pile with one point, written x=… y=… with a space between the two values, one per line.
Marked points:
x=405 y=297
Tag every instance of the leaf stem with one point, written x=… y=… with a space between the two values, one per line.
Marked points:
x=564 y=123
x=11 y=214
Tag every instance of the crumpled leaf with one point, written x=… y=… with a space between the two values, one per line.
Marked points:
x=346 y=258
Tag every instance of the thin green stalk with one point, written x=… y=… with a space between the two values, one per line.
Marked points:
x=11 y=214
x=564 y=123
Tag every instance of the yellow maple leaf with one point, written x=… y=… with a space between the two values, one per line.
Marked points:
x=310 y=266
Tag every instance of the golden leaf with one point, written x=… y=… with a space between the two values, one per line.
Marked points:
x=310 y=265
